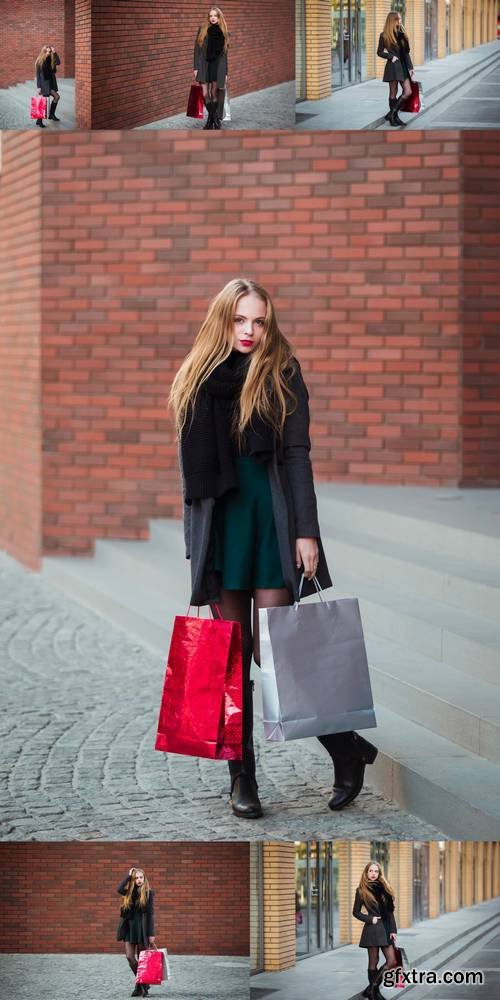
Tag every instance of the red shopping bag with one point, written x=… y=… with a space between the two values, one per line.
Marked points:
x=196 y=104
x=150 y=967
x=201 y=710
x=39 y=107
x=413 y=103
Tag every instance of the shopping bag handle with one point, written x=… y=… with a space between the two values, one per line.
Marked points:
x=316 y=584
x=212 y=606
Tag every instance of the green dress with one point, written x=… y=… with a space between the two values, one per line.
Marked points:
x=246 y=552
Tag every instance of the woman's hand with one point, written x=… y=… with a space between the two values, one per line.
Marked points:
x=131 y=872
x=395 y=59
x=307 y=555
x=195 y=73
x=152 y=940
x=393 y=937
x=375 y=920
x=412 y=74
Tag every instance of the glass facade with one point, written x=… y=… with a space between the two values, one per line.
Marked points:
x=348 y=43
x=420 y=881
x=316 y=897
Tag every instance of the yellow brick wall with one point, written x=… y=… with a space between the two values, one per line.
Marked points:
x=400 y=876
x=279 y=905
x=468 y=873
x=433 y=879
x=451 y=877
x=318 y=48
x=353 y=856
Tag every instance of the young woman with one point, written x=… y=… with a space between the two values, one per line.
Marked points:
x=375 y=896
x=136 y=927
x=46 y=79
x=394 y=47
x=210 y=65
x=251 y=525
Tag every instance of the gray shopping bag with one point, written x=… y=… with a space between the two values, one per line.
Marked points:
x=314 y=669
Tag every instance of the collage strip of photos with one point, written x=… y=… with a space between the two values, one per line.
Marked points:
x=250 y=499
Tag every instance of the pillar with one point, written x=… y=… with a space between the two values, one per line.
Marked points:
x=279 y=906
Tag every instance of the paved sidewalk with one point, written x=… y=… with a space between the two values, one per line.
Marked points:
x=15 y=104
x=92 y=977
x=340 y=973
x=77 y=733
x=364 y=105
x=273 y=108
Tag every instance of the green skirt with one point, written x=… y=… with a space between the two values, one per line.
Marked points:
x=246 y=552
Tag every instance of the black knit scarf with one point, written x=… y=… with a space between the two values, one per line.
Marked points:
x=207 y=447
x=384 y=899
x=215 y=42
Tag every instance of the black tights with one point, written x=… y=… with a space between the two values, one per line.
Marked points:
x=390 y=960
x=214 y=94
x=236 y=605
x=393 y=89
x=132 y=952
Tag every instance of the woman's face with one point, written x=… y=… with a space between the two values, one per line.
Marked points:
x=373 y=873
x=213 y=17
x=398 y=21
x=47 y=50
x=248 y=323
x=139 y=877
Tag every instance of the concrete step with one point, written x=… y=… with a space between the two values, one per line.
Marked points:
x=436 y=696
x=462 y=524
x=469 y=643
x=450 y=787
x=463 y=583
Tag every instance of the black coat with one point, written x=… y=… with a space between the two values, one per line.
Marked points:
x=148 y=922
x=46 y=79
x=373 y=934
x=399 y=70
x=294 y=508
x=200 y=64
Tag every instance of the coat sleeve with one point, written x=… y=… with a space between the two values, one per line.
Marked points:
x=408 y=60
x=382 y=51
x=186 y=510
x=296 y=448
x=356 y=910
x=38 y=78
x=392 y=924
x=122 y=888
x=197 y=52
x=58 y=61
x=150 y=915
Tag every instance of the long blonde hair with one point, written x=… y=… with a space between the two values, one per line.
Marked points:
x=202 y=34
x=143 y=894
x=364 y=885
x=265 y=389
x=392 y=23
x=45 y=55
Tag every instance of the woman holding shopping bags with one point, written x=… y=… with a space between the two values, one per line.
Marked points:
x=251 y=525
x=394 y=47
x=374 y=906
x=210 y=65
x=46 y=79
x=136 y=926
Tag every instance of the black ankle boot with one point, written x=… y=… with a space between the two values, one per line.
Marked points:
x=40 y=124
x=394 y=118
x=392 y=102
x=350 y=753
x=137 y=991
x=244 y=797
x=369 y=992
x=52 y=112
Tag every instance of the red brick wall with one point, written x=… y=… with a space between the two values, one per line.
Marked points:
x=26 y=26
x=83 y=63
x=142 y=55
x=20 y=309
x=357 y=237
x=481 y=444
x=62 y=896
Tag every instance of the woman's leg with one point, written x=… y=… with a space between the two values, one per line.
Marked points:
x=236 y=606
x=372 y=972
x=390 y=963
x=406 y=92
x=393 y=93
x=55 y=100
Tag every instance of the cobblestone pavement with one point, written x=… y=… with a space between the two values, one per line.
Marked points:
x=273 y=107
x=77 y=731
x=94 y=977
